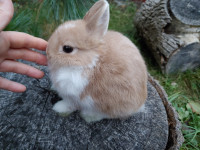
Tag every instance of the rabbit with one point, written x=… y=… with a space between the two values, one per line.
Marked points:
x=101 y=73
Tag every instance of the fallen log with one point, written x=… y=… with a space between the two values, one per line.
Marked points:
x=171 y=30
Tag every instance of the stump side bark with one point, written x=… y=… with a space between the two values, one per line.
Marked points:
x=175 y=139
x=27 y=121
x=167 y=37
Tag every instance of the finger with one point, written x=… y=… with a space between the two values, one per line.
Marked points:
x=6 y=13
x=17 y=67
x=28 y=55
x=11 y=86
x=24 y=40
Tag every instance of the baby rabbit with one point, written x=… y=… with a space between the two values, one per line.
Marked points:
x=98 y=72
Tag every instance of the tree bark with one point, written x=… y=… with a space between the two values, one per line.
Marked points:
x=27 y=121
x=172 y=36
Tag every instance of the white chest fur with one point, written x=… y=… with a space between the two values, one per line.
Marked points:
x=69 y=81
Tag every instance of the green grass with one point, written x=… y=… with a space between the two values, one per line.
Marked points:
x=41 y=19
x=183 y=89
x=121 y=20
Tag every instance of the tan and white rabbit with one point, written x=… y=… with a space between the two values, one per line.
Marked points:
x=98 y=72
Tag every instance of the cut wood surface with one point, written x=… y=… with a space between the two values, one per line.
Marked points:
x=27 y=121
x=165 y=28
x=186 y=11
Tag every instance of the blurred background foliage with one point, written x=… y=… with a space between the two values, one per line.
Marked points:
x=41 y=17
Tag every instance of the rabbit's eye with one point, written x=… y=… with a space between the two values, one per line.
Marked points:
x=67 y=49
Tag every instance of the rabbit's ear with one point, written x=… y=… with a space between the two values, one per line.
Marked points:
x=97 y=18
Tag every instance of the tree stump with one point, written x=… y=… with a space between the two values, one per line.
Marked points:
x=171 y=30
x=27 y=121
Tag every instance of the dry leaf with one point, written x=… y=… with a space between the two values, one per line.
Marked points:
x=195 y=106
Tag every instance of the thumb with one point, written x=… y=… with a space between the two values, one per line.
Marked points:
x=6 y=13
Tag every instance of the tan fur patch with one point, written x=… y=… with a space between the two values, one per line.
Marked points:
x=118 y=84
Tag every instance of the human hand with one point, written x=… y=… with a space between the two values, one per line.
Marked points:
x=16 y=45
x=6 y=13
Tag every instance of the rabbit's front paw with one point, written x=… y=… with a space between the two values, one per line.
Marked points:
x=63 y=108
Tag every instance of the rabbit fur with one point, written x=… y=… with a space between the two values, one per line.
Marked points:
x=104 y=76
